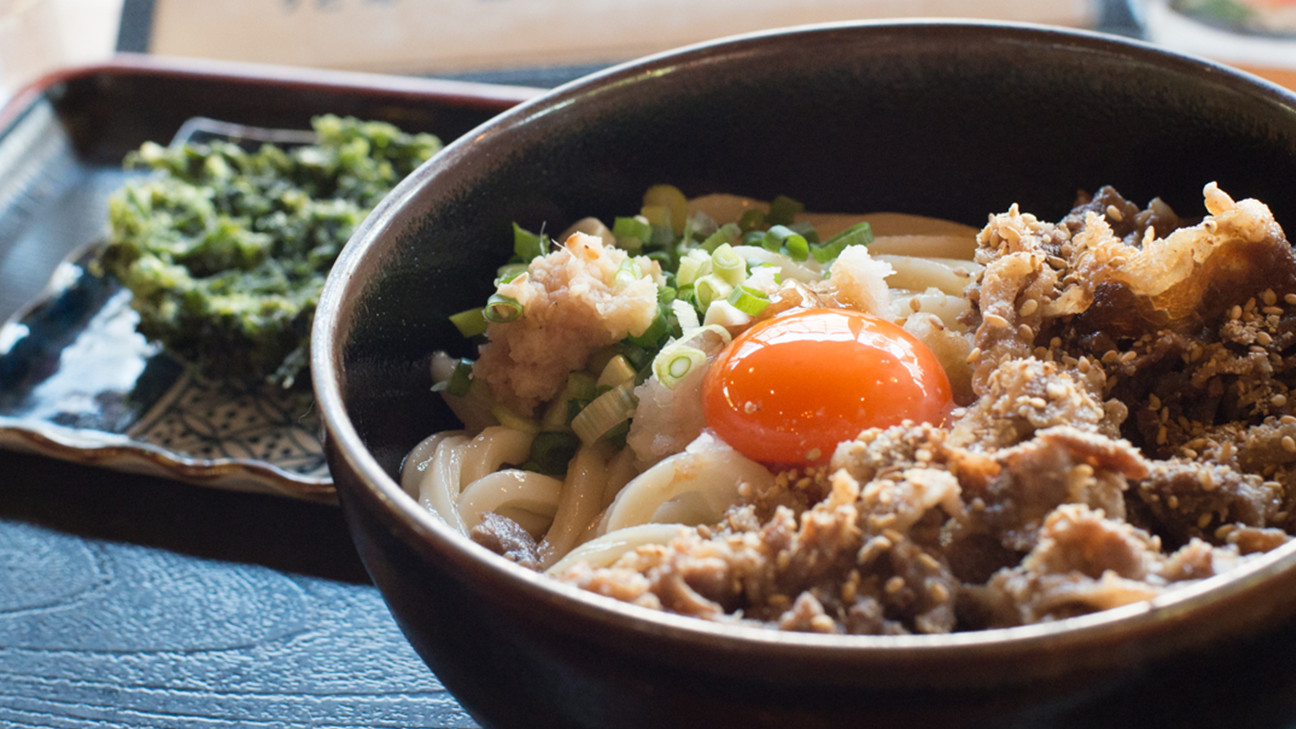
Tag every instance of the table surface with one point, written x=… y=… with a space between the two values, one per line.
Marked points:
x=128 y=601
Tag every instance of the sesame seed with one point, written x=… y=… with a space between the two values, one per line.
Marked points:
x=1204 y=520
x=1279 y=400
x=1025 y=332
x=973 y=355
x=1288 y=444
x=995 y=320
x=1289 y=298
x=1264 y=339
x=1272 y=310
x=929 y=563
x=1269 y=297
x=915 y=304
x=1206 y=481
x=1235 y=312
x=1154 y=402
x=822 y=624
x=894 y=585
x=1172 y=501
x=938 y=592
x=1028 y=307
x=1114 y=213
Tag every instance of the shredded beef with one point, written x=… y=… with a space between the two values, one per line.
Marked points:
x=1132 y=430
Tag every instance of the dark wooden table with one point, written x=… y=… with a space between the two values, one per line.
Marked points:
x=138 y=602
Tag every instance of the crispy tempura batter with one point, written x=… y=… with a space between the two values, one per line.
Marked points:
x=1131 y=430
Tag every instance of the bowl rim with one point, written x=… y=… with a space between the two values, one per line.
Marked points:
x=432 y=539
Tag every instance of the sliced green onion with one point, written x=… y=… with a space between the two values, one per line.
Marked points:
x=551 y=451
x=797 y=247
x=710 y=288
x=659 y=327
x=508 y=272
x=728 y=233
x=606 y=412
x=748 y=300
x=859 y=234
x=752 y=220
x=806 y=230
x=780 y=238
x=510 y=419
x=502 y=309
x=673 y=200
x=728 y=265
x=691 y=267
x=470 y=322
x=461 y=379
x=631 y=233
x=580 y=388
x=627 y=273
x=675 y=362
x=616 y=371
x=783 y=210
x=528 y=245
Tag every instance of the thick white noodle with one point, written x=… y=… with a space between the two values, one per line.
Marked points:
x=704 y=480
x=619 y=472
x=917 y=273
x=959 y=247
x=439 y=487
x=949 y=308
x=419 y=459
x=604 y=550
x=580 y=503
x=807 y=271
x=885 y=225
x=492 y=448
x=513 y=488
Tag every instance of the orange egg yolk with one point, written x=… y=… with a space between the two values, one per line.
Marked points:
x=789 y=389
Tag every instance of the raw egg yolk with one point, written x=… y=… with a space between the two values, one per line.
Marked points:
x=789 y=389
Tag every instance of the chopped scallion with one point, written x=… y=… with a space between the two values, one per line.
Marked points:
x=551 y=451
x=502 y=309
x=730 y=233
x=752 y=219
x=470 y=322
x=728 y=265
x=631 y=233
x=508 y=272
x=616 y=371
x=710 y=288
x=510 y=419
x=783 y=210
x=860 y=234
x=675 y=362
x=748 y=300
x=461 y=379
x=528 y=245
x=605 y=412
x=673 y=200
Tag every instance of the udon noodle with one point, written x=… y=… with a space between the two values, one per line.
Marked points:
x=612 y=499
x=1120 y=416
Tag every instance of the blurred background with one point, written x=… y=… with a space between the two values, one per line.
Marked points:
x=544 y=42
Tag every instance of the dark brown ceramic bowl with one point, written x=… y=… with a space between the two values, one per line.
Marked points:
x=948 y=119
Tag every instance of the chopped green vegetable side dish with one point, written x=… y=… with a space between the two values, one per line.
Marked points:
x=226 y=250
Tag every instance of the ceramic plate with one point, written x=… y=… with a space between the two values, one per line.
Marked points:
x=77 y=382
